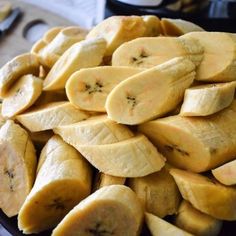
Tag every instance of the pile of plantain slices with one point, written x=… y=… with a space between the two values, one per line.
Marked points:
x=106 y=131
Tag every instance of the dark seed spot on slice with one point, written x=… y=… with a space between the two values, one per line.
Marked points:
x=93 y=89
x=131 y=100
x=57 y=204
x=98 y=231
x=213 y=151
x=171 y=148
x=143 y=54
x=11 y=175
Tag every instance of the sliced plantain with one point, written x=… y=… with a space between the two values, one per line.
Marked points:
x=198 y=189
x=204 y=100
x=134 y=157
x=61 y=183
x=96 y=130
x=84 y=54
x=159 y=227
x=197 y=144
x=17 y=167
x=226 y=174
x=218 y=64
x=60 y=43
x=102 y=180
x=88 y=89
x=22 y=95
x=130 y=103
x=147 y=52
x=14 y=69
x=178 y=27
x=118 y=29
x=111 y=210
x=153 y=26
x=51 y=115
x=196 y=222
x=158 y=193
x=52 y=33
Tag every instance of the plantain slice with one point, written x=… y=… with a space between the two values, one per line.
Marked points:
x=63 y=180
x=17 y=167
x=22 y=95
x=49 y=116
x=111 y=210
x=14 y=69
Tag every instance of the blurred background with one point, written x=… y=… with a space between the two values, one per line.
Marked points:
x=23 y=22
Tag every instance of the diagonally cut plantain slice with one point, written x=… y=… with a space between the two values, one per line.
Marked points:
x=63 y=180
x=84 y=54
x=195 y=143
x=112 y=210
x=153 y=25
x=51 y=115
x=151 y=93
x=14 y=69
x=218 y=64
x=206 y=195
x=96 y=130
x=22 y=95
x=134 y=157
x=17 y=167
x=118 y=29
x=52 y=33
x=88 y=89
x=147 y=52
x=207 y=99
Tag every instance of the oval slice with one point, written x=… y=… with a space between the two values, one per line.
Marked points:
x=22 y=95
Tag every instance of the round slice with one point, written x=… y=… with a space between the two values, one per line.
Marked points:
x=111 y=210
x=22 y=95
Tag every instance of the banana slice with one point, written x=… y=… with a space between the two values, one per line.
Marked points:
x=147 y=52
x=52 y=33
x=159 y=227
x=22 y=95
x=194 y=143
x=153 y=26
x=218 y=63
x=60 y=43
x=196 y=222
x=40 y=138
x=51 y=115
x=207 y=99
x=5 y=9
x=118 y=29
x=134 y=157
x=226 y=174
x=84 y=54
x=17 y=167
x=178 y=27
x=51 y=96
x=102 y=180
x=96 y=130
x=112 y=210
x=14 y=69
x=197 y=189
x=87 y=89
x=61 y=183
x=129 y=102
x=2 y=119
x=158 y=193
